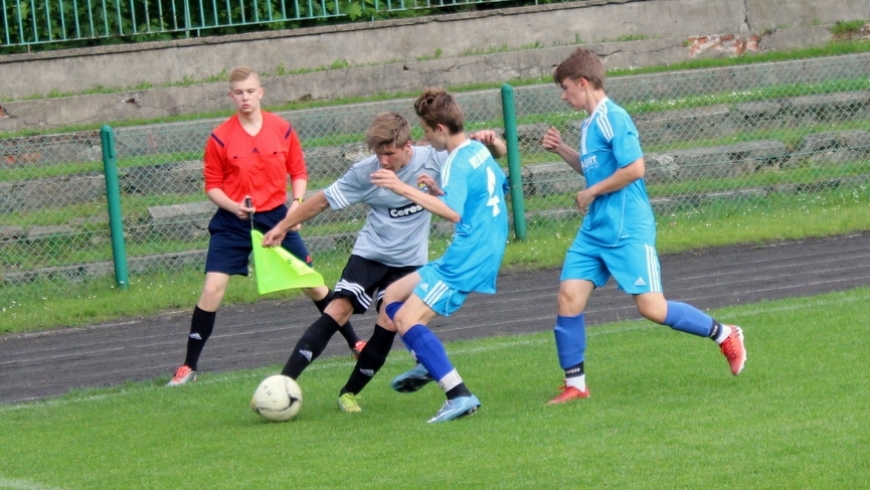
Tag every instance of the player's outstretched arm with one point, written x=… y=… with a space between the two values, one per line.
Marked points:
x=496 y=145
x=552 y=141
x=295 y=216
x=388 y=179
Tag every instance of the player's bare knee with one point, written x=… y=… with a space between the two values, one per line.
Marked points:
x=653 y=312
x=211 y=297
x=402 y=323
x=570 y=304
x=385 y=322
x=652 y=306
x=316 y=293
x=340 y=309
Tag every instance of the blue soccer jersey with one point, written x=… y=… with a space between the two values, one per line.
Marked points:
x=473 y=184
x=610 y=141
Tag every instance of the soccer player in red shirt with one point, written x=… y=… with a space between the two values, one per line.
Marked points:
x=248 y=158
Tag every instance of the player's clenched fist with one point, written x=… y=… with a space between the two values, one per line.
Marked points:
x=386 y=178
x=427 y=183
x=552 y=139
x=485 y=136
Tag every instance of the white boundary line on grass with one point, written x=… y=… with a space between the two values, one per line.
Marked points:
x=759 y=309
x=17 y=484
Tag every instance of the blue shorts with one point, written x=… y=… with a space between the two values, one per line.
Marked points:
x=634 y=265
x=230 y=244
x=436 y=294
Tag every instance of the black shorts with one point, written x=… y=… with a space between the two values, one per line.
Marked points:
x=230 y=244
x=361 y=278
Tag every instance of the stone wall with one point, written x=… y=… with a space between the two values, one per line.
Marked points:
x=399 y=56
x=707 y=122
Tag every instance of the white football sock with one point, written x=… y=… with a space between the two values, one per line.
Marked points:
x=578 y=382
x=723 y=334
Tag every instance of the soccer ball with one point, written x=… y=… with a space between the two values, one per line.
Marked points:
x=278 y=398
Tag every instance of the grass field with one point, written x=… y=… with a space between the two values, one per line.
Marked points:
x=665 y=412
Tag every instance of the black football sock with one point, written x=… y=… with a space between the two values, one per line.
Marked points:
x=370 y=361
x=345 y=330
x=457 y=391
x=201 y=327
x=575 y=371
x=714 y=332
x=310 y=346
x=321 y=304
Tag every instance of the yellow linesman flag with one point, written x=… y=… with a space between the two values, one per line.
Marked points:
x=277 y=269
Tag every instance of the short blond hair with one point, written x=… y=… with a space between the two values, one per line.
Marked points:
x=241 y=73
x=387 y=129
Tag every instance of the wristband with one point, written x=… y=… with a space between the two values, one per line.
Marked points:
x=298 y=199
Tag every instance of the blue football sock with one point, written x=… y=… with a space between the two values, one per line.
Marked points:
x=687 y=318
x=570 y=334
x=428 y=350
x=393 y=308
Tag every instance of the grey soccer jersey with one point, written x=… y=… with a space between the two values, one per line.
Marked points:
x=396 y=232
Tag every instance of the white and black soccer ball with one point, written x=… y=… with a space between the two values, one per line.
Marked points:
x=278 y=398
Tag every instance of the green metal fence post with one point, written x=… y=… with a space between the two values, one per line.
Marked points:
x=113 y=199
x=515 y=176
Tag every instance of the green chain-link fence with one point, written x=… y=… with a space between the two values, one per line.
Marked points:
x=731 y=140
x=55 y=236
x=166 y=213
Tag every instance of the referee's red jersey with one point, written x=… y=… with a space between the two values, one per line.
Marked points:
x=257 y=166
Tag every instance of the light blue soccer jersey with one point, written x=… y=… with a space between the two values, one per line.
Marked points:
x=473 y=184
x=610 y=141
